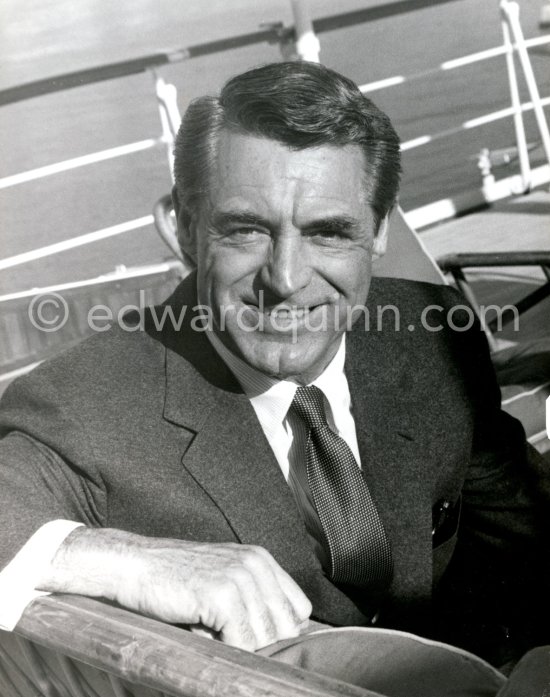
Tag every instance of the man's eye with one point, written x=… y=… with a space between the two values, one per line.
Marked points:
x=327 y=235
x=243 y=234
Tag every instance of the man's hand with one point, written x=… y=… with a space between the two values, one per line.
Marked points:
x=239 y=592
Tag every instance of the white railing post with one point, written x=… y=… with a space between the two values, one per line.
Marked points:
x=519 y=126
x=307 y=43
x=511 y=12
x=170 y=117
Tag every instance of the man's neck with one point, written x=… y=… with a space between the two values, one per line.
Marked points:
x=253 y=381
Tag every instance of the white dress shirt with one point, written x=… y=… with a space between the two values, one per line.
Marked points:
x=285 y=432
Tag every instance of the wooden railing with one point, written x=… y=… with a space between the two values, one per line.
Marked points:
x=70 y=645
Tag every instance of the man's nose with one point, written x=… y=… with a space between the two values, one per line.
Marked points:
x=287 y=269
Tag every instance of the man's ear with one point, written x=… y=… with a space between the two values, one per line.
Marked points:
x=380 y=241
x=187 y=233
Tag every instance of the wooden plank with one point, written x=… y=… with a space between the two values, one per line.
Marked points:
x=164 y=657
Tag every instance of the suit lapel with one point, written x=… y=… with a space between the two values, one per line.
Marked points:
x=232 y=461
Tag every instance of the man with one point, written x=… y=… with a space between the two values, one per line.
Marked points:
x=171 y=446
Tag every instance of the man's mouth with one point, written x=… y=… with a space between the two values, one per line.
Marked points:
x=289 y=313
x=283 y=309
x=284 y=318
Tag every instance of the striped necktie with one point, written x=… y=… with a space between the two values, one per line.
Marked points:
x=356 y=541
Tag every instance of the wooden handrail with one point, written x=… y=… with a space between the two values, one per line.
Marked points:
x=144 y=651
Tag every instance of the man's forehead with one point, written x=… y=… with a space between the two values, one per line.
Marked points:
x=251 y=167
x=235 y=148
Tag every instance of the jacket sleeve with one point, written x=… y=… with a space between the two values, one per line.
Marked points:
x=47 y=468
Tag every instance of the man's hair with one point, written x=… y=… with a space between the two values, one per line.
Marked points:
x=300 y=105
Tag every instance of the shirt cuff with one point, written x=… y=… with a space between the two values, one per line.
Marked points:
x=19 y=578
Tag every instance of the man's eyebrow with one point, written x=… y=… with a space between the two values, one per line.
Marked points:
x=224 y=218
x=338 y=223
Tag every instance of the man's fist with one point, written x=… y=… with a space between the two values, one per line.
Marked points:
x=238 y=592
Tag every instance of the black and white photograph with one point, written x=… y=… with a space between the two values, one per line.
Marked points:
x=275 y=348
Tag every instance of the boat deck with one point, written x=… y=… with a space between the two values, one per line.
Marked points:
x=519 y=224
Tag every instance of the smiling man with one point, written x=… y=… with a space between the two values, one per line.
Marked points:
x=282 y=219
x=283 y=246
x=287 y=461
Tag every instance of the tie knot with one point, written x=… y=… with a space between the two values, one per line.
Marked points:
x=310 y=406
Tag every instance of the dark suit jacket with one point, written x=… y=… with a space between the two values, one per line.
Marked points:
x=149 y=432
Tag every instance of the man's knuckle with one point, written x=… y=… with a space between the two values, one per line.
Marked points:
x=248 y=560
x=241 y=577
x=256 y=558
x=305 y=608
x=267 y=624
x=227 y=594
x=287 y=612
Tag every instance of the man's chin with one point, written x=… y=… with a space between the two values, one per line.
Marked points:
x=284 y=357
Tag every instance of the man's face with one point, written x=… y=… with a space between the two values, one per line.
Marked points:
x=283 y=249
